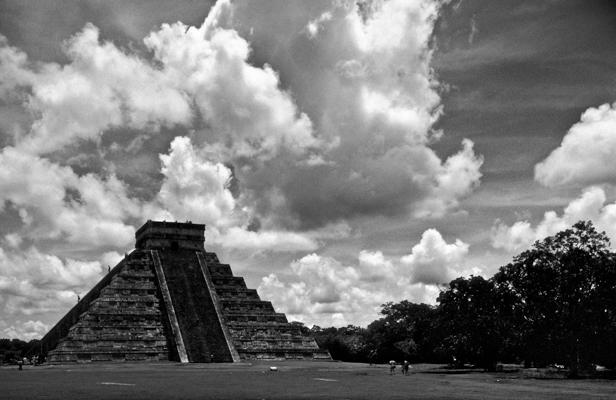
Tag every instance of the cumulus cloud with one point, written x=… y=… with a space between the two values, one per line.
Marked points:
x=243 y=104
x=194 y=188
x=25 y=331
x=367 y=80
x=586 y=154
x=322 y=290
x=104 y=87
x=243 y=239
x=201 y=77
x=100 y=88
x=313 y=27
x=456 y=178
x=197 y=189
x=591 y=205
x=434 y=261
x=33 y=283
x=54 y=202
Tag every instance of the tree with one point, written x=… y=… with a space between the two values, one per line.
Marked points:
x=563 y=290
x=406 y=330
x=470 y=321
x=344 y=344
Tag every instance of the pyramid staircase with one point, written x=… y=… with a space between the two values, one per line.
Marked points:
x=171 y=300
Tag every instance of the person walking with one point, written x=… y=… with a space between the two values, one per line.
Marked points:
x=392 y=367
x=405 y=368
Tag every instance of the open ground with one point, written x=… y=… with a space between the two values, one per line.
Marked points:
x=293 y=380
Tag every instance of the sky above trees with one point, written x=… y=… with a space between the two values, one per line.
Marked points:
x=343 y=155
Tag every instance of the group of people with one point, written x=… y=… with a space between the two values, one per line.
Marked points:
x=405 y=367
x=34 y=360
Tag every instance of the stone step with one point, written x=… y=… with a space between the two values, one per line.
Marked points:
x=265 y=332
x=217 y=270
x=210 y=258
x=138 y=286
x=247 y=306
x=123 y=312
x=116 y=338
x=121 y=298
x=232 y=316
x=228 y=280
x=294 y=354
x=118 y=327
x=230 y=293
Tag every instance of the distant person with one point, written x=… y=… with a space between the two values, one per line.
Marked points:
x=372 y=356
x=392 y=367
x=405 y=368
x=20 y=362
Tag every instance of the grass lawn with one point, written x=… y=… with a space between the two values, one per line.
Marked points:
x=293 y=380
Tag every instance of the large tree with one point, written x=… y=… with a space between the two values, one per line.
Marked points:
x=564 y=291
x=470 y=322
x=405 y=330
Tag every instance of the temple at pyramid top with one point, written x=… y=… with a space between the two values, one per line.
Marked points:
x=169 y=299
x=172 y=235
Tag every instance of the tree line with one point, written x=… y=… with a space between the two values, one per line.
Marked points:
x=553 y=304
x=12 y=350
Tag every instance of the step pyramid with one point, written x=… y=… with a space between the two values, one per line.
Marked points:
x=169 y=299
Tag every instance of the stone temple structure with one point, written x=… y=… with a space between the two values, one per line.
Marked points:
x=170 y=299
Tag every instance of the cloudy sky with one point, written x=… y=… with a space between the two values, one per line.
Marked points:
x=342 y=154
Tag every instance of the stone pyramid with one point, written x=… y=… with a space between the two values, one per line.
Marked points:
x=169 y=299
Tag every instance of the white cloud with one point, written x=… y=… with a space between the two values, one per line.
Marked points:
x=434 y=261
x=242 y=239
x=457 y=178
x=368 y=80
x=25 y=331
x=54 y=202
x=35 y=283
x=313 y=27
x=586 y=154
x=374 y=266
x=194 y=188
x=197 y=189
x=591 y=205
x=246 y=114
x=321 y=290
x=244 y=105
x=101 y=87
x=387 y=26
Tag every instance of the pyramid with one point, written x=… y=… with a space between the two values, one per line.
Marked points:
x=169 y=299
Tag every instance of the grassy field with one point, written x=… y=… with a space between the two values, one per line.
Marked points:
x=293 y=380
